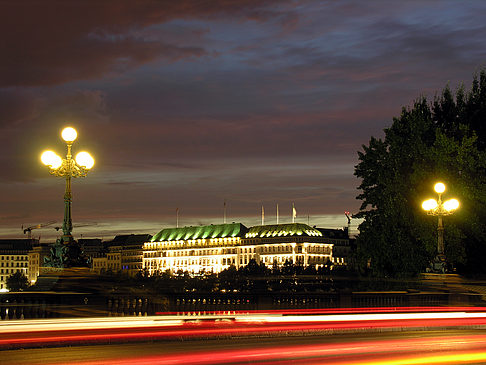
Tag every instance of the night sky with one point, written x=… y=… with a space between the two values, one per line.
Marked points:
x=187 y=104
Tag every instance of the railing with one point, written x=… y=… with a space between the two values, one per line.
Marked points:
x=55 y=305
x=45 y=305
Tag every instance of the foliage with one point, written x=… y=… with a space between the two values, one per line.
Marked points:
x=17 y=282
x=444 y=140
x=252 y=278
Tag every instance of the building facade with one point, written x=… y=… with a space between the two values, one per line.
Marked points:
x=124 y=253
x=36 y=260
x=15 y=256
x=214 y=248
x=194 y=249
x=342 y=246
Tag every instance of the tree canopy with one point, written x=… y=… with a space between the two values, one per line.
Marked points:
x=17 y=281
x=443 y=140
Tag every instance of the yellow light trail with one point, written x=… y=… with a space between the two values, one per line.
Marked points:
x=452 y=358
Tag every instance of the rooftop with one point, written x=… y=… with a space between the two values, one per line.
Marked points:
x=201 y=232
x=17 y=244
x=279 y=230
x=129 y=239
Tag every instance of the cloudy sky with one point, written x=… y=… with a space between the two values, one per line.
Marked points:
x=187 y=104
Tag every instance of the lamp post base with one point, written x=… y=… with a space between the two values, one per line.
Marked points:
x=438 y=264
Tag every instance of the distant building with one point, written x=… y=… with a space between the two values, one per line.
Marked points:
x=217 y=247
x=342 y=245
x=113 y=259
x=17 y=255
x=99 y=264
x=123 y=253
x=92 y=247
x=36 y=260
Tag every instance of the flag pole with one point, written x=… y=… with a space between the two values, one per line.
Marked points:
x=224 y=212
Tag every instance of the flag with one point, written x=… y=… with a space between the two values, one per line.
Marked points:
x=263 y=216
x=294 y=213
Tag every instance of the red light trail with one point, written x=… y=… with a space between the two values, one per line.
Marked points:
x=108 y=330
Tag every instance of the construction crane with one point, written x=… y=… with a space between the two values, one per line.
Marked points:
x=40 y=225
x=79 y=225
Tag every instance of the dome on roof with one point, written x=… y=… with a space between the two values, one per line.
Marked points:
x=279 y=230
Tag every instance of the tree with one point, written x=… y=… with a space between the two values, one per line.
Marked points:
x=229 y=279
x=429 y=141
x=17 y=282
x=387 y=241
x=463 y=121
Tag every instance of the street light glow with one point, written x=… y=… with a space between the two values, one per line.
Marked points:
x=85 y=160
x=68 y=168
x=439 y=188
x=50 y=158
x=69 y=134
x=429 y=204
x=451 y=204
x=440 y=209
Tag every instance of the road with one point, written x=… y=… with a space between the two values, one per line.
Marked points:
x=424 y=347
x=449 y=335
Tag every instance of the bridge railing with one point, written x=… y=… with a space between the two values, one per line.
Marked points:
x=27 y=305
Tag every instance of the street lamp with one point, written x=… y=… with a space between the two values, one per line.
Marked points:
x=440 y=209
x=68 y=168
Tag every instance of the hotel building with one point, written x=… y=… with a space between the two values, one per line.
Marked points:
x=214 y=248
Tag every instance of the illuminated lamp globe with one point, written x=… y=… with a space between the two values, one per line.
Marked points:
x=85 y=160
x=69 y=134
x=451 y=204
x=50 y=158
x=439 y=188
x=429 y=204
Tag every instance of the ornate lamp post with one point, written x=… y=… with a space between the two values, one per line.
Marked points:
x=440 y=209
x=68 y=168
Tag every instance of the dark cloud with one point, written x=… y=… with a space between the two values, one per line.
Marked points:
x=187 y=103
x=53 y=42
x=17 y=106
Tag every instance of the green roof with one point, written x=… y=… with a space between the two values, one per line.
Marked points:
x=283 y=230
x=201 y=232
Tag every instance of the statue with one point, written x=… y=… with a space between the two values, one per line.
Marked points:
x=64 y=255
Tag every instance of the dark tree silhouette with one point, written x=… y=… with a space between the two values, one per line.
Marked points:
x=443 y=140
x=17 y=282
